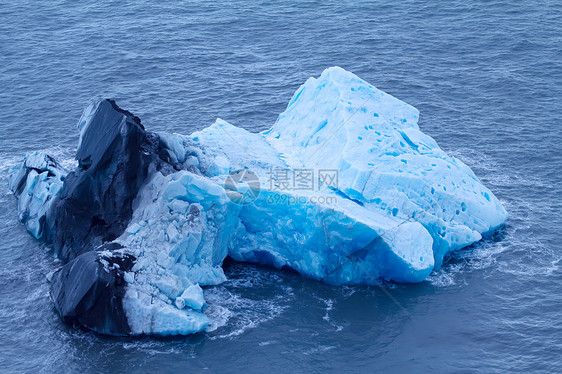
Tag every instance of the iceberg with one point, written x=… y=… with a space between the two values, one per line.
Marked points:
x=344 y=188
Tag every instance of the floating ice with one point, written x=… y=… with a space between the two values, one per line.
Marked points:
x=386 y=203
x=36 y=181
x=384 y=160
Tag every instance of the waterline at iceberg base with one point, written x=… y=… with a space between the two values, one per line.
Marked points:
x=146 y=219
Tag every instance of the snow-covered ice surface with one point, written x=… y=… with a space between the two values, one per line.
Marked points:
x=399 y=205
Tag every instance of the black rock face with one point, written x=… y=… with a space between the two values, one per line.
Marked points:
x=88 y=291
x=115 y=157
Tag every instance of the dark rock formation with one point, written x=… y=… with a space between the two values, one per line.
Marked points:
x=115 y=156
x=88 y=291
x=80 y=211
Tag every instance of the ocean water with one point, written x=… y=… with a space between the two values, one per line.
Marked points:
x=487 y=79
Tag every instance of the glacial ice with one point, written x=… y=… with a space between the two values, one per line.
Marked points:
x=399 y=206
x=36 y=181
x=384 y=160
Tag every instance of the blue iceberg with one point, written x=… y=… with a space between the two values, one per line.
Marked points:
x=344 y=188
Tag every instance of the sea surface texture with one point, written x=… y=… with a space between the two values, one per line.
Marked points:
x=487 y=80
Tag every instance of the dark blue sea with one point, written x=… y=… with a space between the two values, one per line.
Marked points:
x=487 y=79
